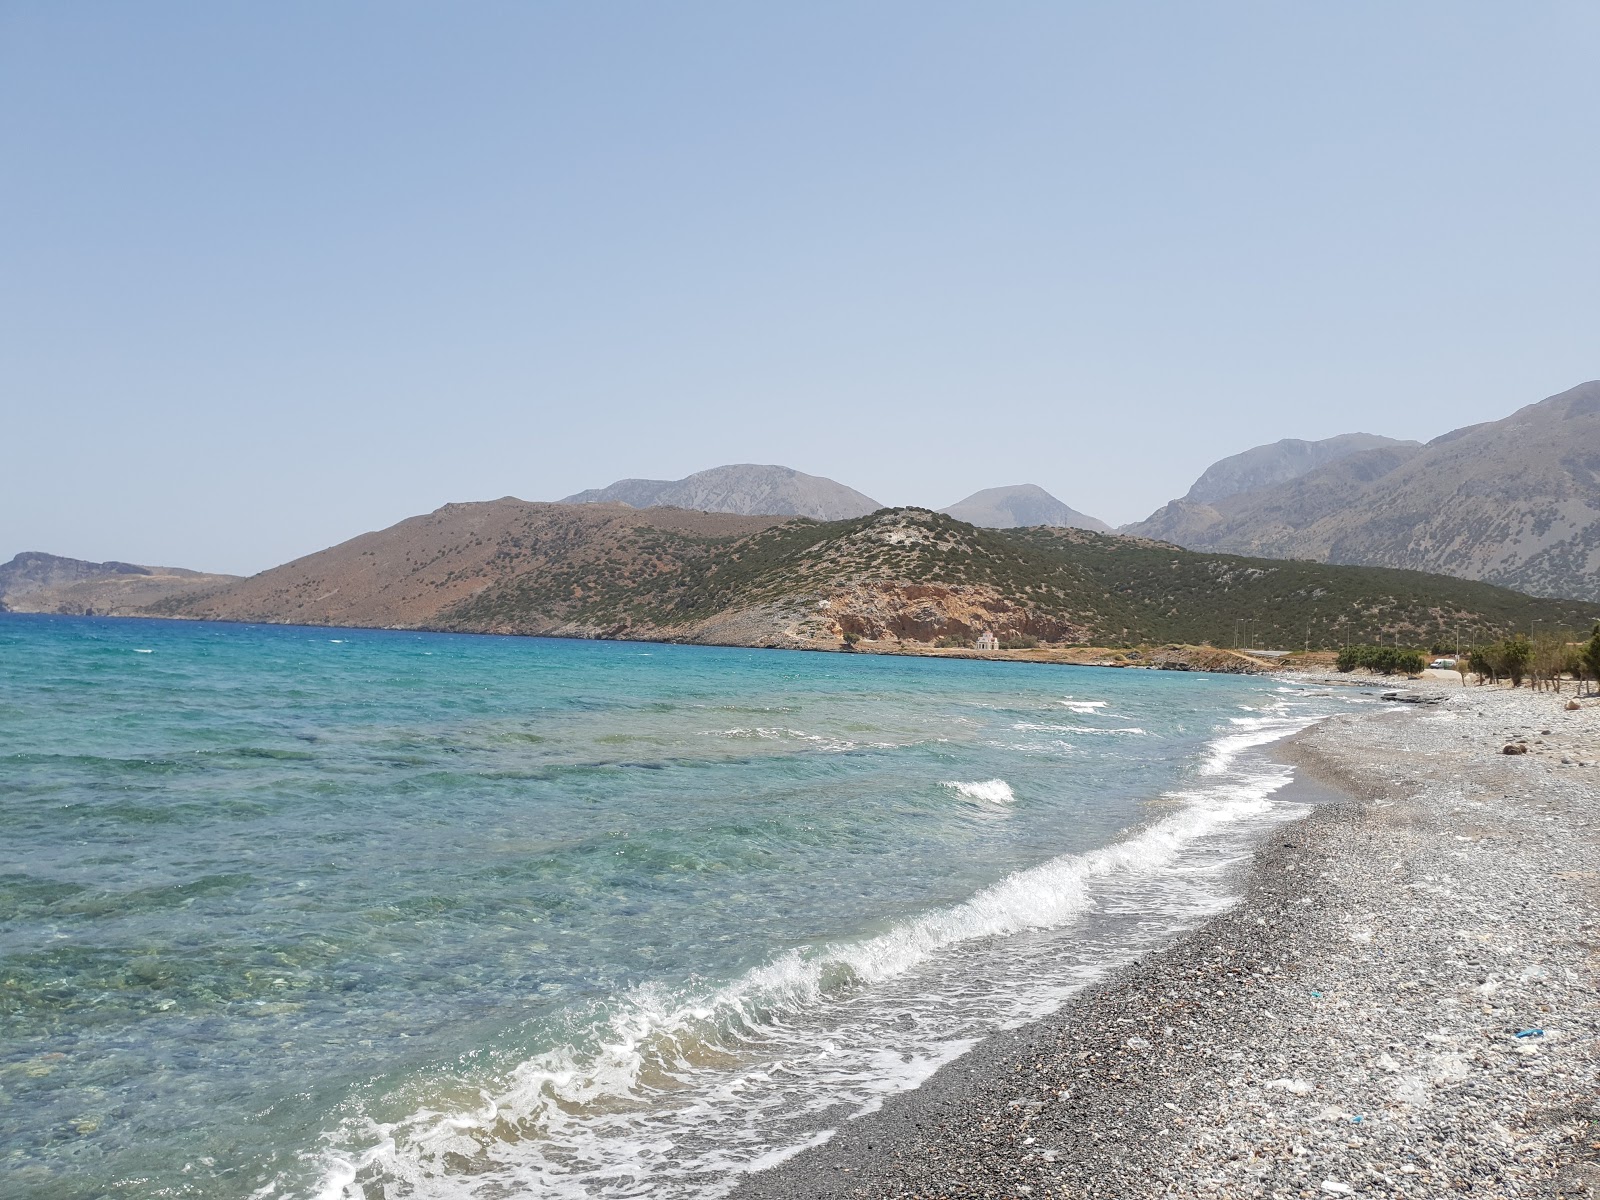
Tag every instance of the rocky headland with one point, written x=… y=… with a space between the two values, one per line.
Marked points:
x=896 y=581
x=35 y=582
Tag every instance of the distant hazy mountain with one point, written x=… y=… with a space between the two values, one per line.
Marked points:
x=33 y=571
x=1017 y=506
x=745 y=488
x=1280 y=462
x=38 y=582
x=1514 y=502
x=1254 y=520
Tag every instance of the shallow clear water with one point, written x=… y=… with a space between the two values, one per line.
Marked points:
x=350 y=913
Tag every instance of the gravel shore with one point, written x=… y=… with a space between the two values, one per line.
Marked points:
x=1404 y=1003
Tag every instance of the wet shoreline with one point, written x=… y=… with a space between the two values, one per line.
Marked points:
x=1349 y=1027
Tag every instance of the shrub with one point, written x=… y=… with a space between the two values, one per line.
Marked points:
x=1508 y=658
x=1387 y=660
x=1590 y=655
x=1516 y=653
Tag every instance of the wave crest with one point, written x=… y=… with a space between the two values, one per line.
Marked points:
x=989 y=791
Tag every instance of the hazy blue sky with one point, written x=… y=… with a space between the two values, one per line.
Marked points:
x=275 y=274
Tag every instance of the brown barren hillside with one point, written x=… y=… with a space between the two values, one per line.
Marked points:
x=411 y=574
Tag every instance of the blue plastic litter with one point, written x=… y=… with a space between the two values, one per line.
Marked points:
x=1530 y=1033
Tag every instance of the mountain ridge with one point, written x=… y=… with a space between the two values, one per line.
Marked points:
x=1514 y=502
x=1279 y=462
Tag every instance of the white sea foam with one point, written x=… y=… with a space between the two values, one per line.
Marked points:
x=777 y=734
x=1057 y=747
x=650 y=1104
x=341 y=1172
x=1081 y=706
x=990 y=791
x=1029 y=727
x=1252 y=732
x=144 y=651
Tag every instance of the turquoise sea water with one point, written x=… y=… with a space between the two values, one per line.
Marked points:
x=303 y=912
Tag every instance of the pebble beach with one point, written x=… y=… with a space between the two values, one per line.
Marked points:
x=1403 y=1002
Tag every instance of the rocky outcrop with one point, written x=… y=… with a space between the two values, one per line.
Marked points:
x=921 y=612
x=1211 y=659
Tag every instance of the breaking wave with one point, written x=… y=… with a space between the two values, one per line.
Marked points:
x=990 y=791
x=679 y=1091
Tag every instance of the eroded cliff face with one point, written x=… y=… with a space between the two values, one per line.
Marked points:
x=921 y=612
